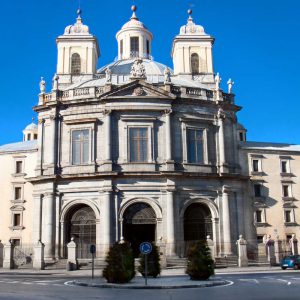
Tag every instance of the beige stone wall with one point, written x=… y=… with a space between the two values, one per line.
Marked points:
x=8 y=181
x=272 y=201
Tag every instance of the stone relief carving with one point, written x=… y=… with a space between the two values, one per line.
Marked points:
x=138 y=70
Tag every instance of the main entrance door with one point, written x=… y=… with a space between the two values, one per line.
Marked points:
x=139 y=225
x=82 y=226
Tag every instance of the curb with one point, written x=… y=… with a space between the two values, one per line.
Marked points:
x=123 y=286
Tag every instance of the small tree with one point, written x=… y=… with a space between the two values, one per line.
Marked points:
x=153 y=265
x=120 y=264
x=200 y=265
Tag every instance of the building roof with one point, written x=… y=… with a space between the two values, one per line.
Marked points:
x=270 y=146
x=19 y=147
x=31 y=126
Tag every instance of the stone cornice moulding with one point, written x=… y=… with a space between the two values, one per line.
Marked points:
x=81 y=121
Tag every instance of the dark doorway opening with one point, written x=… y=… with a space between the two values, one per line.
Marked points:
x=82 y=227
x=139 y=225
x=197 y=224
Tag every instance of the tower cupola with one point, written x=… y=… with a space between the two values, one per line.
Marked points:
x=30 y=132
x=134 y=39
x=78 y=52
x=192 y=51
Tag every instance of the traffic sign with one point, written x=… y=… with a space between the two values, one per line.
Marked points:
x=145 y=248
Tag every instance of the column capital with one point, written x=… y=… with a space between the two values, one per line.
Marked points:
x=41 y=121
x=168 y=112
x=107 y=112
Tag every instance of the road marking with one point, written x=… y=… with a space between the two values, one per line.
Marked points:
x=25 y=282
x=286 y=281
x=295 y=278
x=57 y=284
x=42 y=283
x=250 y=280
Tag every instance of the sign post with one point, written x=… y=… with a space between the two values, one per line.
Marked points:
x=145 y=249
x=93 y=251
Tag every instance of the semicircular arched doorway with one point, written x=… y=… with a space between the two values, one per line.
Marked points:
x=139 y=225
x=197 y=223
x=81 y=224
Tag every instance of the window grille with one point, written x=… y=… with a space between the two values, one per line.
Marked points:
x=195 y=145
x=195 y=63
x=138 y=144
x=80 y=146
x=75 y=64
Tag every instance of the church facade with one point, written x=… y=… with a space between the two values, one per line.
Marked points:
x=138 y=152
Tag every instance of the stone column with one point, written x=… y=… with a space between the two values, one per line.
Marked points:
x=38 y=259
x=242 y=252
x=72 y=263
x=106 y=221
x=271 y=251
x=37 y=209
x=226 y=221
x=221 y=141
x=210 y=245
x=294 y=245
x=41 y=132
x=1 y=254
x=170 y=224
x=48 y=225
x=278 y=250
x=107 y=152
x=168 y=158
x=53 y=139
x=8 y=262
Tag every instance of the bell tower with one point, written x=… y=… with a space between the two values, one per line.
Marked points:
x=192 y=52
x=78 y=53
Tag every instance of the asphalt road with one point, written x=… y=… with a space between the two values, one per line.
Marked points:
x=260 y=286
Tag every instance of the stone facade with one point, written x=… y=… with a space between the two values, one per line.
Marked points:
x=135 y=152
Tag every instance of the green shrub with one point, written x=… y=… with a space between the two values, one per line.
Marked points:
x=200 y=265
x=120 y=264
x=153 y=265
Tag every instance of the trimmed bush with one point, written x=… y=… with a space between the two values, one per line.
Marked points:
x=120 y=264
x=153 y=265
x=200 y=265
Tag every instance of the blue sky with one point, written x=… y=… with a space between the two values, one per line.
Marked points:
x=257 y=45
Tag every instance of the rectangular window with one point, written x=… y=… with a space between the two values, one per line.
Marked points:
x=121 y=48
x=17 y=220
x=255 y=165
x=138 y=144
x=195 y=145
x=18 y=193
x=134 y=46
x=19 y=167
x=80 y=146
x=148 y=47
x=257 y=190
x=260 y=239
x=285 y=191
x=288 y=216
x=35 y=136
x=259 y=216
x=16 y=242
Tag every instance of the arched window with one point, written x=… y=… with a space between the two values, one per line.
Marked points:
x=195 y=63
x=75 y=64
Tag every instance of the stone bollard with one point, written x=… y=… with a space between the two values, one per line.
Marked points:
x=38 y=259
x=1 y=254
x=271 y=251
x=242 y=252
x=278 y=250
x=210 y=245
x=72 y=263
x=294 y=245
x=8 y=261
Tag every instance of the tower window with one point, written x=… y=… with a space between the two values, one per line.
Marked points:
x=121 y=48
x=19 y=167
x=195 y=63
x=134 y=46
x=17 y=220
x=75 y=64
x=18 y=193
x=148 y=47
x=257 y=190
x=255 y=165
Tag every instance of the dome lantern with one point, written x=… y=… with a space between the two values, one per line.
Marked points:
x=134 y=39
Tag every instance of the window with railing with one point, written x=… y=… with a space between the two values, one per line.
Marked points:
x=134 y=46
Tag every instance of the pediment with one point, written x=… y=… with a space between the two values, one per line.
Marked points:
x=138 y=89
